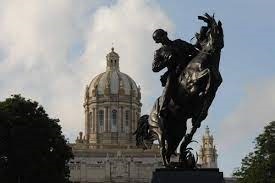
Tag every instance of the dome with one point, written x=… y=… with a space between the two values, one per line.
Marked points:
x=112 y=107
x=112 y=81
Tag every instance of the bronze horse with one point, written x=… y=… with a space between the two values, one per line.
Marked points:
x=195 y=90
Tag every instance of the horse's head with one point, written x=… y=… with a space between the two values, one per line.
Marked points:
x=210 y=37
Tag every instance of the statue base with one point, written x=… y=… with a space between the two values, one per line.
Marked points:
x=179 y=175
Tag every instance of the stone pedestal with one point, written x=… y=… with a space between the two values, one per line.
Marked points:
x=166 y=175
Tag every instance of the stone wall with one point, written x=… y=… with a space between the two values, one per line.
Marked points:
x=101 y=167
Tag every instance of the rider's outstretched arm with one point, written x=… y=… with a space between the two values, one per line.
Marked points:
x=158 y=63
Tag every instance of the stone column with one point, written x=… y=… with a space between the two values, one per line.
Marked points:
x=87 y=122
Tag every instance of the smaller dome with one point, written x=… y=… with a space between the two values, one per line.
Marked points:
x=112 y=81
x=112 y=60
x=112 y=54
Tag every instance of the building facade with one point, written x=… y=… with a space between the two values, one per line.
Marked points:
x=112 y=107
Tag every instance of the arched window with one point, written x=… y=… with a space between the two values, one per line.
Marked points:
x=90 y=120
x=127 y=121
x=101 y=120
x=114 y=121
x=134 y=122
x=127 y=117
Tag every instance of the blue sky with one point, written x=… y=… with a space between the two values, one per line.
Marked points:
x=49 y=51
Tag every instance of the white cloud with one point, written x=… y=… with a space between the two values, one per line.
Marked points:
x=129 y=25
x=35 y=40
x=38 y=39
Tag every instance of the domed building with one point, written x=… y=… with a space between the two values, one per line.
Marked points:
x=112 y=107
x=106 y=152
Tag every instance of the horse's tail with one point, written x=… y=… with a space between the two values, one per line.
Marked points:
x=143 y=138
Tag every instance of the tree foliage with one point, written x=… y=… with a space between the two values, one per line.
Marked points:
x=259 y=166
x=32 y=147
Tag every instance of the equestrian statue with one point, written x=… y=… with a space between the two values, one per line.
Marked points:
x=190 y=84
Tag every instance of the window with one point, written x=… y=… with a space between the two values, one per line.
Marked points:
x=127 y=117
x=114 y=121
x=101 y=117
x=134 y=122
x=91 y=120
x=101 y=120
x=127 y=121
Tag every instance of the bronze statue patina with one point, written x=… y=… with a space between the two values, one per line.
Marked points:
x=191 y=82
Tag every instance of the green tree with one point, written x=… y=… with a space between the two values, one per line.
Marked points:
x=259 y=166
x=32 y=147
